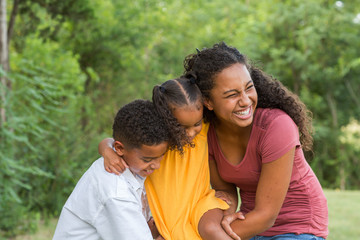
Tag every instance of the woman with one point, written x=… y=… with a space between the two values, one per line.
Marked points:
x=254 y=144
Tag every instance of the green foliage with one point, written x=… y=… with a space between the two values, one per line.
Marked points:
x=74 y=63
x=38 y=144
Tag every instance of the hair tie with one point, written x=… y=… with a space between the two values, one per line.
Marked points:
x=162 y=89
x=192 y=80
x=198 y=51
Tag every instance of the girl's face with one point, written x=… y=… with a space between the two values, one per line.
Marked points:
x=190 y=117
x=233 y=97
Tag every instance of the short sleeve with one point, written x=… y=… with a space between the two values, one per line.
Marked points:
x=281 y=135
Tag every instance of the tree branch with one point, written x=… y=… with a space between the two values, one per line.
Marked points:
x=12 y=20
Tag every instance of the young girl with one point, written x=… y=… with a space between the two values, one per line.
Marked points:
x=179 y=194
x=254 y=143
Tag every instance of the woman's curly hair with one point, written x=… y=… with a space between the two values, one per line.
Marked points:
x=207 y=63
x=176 y=93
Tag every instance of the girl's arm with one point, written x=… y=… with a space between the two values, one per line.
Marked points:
x=113 y=163
x=270 y=194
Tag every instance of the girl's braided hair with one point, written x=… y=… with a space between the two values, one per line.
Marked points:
x=176 y=93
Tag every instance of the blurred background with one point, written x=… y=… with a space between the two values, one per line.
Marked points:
x=67 y=67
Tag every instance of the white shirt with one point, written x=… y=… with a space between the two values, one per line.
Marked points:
x=105 y=206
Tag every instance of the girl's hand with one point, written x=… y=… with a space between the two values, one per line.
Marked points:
x=113 y=163
x=226 y=197
x=223 y=196
x=228 y=219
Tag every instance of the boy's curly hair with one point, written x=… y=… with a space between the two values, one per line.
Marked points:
x=207 y=63
x=138 y=123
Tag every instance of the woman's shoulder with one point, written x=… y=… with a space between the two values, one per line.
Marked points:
x=264 y=117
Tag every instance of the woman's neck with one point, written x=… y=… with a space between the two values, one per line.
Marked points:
x=231 y=129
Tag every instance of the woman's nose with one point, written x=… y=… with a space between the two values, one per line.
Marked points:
x=244 y=100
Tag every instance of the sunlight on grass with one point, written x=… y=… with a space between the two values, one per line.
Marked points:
x=344 y=216
x=45 y=232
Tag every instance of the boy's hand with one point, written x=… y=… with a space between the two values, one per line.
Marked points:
x=154 y=231
x=228 y=219
x=113 y=163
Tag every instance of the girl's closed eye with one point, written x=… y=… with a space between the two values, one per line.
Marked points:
x=190 y=117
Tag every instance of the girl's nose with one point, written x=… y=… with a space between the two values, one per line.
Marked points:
x=191 y=133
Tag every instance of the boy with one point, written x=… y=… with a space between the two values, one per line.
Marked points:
x=107 y=206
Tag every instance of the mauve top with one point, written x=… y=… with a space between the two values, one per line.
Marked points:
x=273 y=134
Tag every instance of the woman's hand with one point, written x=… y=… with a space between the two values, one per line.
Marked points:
x=228 y=219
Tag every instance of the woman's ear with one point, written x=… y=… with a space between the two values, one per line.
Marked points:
x=208 y=104
x=119 y=148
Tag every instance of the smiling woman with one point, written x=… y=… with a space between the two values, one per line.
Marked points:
x=234 y=96
x=254 y=145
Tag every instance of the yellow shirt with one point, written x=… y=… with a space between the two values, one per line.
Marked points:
x=179 y=191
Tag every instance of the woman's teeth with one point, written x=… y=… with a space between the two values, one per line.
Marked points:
x=242 y=113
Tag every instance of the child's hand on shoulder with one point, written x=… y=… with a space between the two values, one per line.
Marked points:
x=113 y=163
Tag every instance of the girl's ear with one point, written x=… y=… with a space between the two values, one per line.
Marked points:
x=208 y=104
x=119 y=148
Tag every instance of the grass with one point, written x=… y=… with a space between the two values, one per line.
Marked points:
x=344 y=214
x=45 y=232
x=344 y=218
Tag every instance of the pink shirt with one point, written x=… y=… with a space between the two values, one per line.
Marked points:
x=273 y=134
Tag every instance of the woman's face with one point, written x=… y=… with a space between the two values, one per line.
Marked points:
x=233 y=97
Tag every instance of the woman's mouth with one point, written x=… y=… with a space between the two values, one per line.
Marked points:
x=244 y=114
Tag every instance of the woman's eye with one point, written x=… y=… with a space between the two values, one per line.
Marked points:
x=250 y=87
x=232 y=95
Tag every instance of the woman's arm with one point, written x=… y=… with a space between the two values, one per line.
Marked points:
x=113 y=163
x=218 y=184
x=270 y=194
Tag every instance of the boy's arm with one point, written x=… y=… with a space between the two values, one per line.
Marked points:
x=154 y=231
x=113 y=163
x=122 y=219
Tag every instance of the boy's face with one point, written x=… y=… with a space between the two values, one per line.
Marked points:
x=142 y=161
